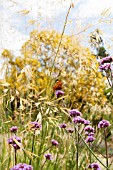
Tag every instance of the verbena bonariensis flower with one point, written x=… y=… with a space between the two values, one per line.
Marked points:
x=105 y=67
x=35 y=125
x=22 y=166
x=89 y=129
x=54 y=142
x=103 y=124
x=95 y=166
x=14 y=129
x=78 y=120
x=87 y=122
x=108 y=59
x=63 y=125
x=59 y=93
x=48 y=156
x=70 y=130
x=89 y=133
x=90 y=139
x=74 y=113
x=12 y=142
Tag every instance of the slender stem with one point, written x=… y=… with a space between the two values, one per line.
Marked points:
x=106 y=147
x=45 y=150
x=43 y=165
x=77 y=146
x=61 y=37
x=108 y=80
x=15 y=156
x=92 y=151
x=89 y=153
x=32 y=150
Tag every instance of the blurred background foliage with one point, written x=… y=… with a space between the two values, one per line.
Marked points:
x=34 y=73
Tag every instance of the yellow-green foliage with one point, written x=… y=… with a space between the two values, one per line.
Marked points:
x=74 y=65
x=42 y=63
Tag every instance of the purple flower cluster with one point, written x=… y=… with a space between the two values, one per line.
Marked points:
x=14 y=129
x=54 y=142
x=103 y=124
x=105 y=67
x=108 y=59
x=105 y=63
x=89 y=131
x=63 y=125
x=95 y=166
x=12 y=142
x=59 y=93
x=22 y=166
x=48 y=156
x=78 y=120
x=77 y=117
x=90 y=139
x=35 y=125
x=87 y=122
x=74 y=113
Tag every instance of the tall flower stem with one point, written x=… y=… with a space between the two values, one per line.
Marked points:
x=45 y=150
x=89 y=153
x=43 y=165
x=32 y=149
x=77 y=147
x=106 y=147
x=15 y=152
x=92 y=151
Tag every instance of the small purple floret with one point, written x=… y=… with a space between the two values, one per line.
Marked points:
x=89 y=129
x=95 y=166
x=54 y=142
x=70 y=130
x=103 y=124
x=48 y=156
x=22 y=166
x=63 y=125
x=14 y=129
x=74 y=113
x=59 y=93
x=78 y=119
x=90 y=139
x=87 y=122
x=106 y=60
x=105 y=67
x=35 y=125
x=12 y=142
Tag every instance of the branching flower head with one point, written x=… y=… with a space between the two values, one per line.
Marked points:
x=94 y=166
x=105 y=67
x=78 y=120
x=90 y=139
x=22 y=166
x=35 y=125
x=13 y=143
x=103 y=124
x=74 y=113
x=89 y=130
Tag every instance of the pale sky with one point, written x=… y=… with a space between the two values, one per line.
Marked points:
x=15 y=26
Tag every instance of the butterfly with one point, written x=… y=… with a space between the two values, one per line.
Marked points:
x=58 y=85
